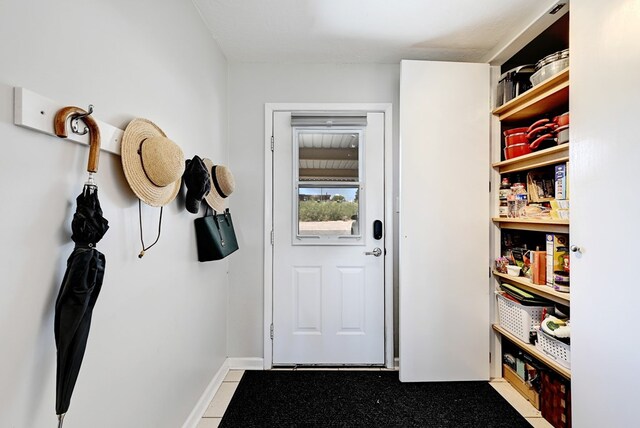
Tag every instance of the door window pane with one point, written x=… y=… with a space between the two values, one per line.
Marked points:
x=328 y=184
x=328 y=211
x=328 y=156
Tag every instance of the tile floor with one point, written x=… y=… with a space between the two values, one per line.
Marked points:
x=213 y=415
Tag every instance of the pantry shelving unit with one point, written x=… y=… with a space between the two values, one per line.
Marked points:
x=546 y=99
x=541 y=290
x=535 y=352
x=550 y=156
x=531 y=105
x=539 y=225
x=547 y=96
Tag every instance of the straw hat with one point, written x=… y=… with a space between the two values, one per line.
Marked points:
x=222 y=185
x=152 y=163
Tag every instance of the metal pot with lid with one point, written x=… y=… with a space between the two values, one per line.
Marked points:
x=549 y=66
x=556 y=56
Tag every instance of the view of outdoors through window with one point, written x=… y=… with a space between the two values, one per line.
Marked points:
x=328 y=211
x=328 y=182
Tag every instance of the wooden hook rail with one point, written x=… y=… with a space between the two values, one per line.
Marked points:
x=33 y=111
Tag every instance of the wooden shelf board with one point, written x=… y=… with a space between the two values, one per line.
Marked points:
x=540 y=99
x=533 y=160
x=541 y=290
x=547 y=225
x=535 y=352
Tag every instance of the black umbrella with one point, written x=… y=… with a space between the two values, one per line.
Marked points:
x=78 y=294
x=83 y=278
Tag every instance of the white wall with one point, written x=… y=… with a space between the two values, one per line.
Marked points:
x=250 y=87
x=159 y=328
x=605 y=292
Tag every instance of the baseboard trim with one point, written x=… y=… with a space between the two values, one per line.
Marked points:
x=208 y=394
x=245 y=363
x=202 y=404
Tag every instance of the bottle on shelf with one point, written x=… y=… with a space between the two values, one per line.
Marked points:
x=505 y=190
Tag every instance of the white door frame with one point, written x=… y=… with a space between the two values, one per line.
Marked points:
x=270 y=109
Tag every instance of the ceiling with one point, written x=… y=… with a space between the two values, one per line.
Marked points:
x=365 y=31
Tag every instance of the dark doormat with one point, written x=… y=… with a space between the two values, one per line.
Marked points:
x=364 y=399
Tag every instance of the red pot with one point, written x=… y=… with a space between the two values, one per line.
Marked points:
x=516 y=150
x=531 y=135
x=515 y=131
x=537 y=124
x=534 y=145
x=519 y=138
x=562 y=120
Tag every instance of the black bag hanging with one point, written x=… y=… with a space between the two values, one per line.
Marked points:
x=215 y=236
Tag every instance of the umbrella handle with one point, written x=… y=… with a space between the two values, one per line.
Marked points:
x=60 y=129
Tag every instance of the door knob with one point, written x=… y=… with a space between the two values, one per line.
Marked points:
x=575 y=249
x=376 y=252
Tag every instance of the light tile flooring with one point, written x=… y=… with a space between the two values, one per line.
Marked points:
x=213 y=415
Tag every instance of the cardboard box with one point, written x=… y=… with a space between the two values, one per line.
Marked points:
x=561 y=204
x=549 y=260
x=539 y=267
x=557 y=248
x=521 y=386
x=567 y=181
x=559 y=214
x=559 y=209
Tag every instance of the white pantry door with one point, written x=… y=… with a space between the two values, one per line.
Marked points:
x=604 y=152
x=328 y=295
x=444 y=221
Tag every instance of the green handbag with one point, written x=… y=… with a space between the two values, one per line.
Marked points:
x=215 y=236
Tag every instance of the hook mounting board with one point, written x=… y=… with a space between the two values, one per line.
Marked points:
x=33 y=111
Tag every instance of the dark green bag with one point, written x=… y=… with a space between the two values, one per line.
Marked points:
x=215 y=236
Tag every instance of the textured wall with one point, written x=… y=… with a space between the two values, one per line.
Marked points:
x=159 y=327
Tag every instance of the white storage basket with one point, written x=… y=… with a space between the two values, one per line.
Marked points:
x=557 y=350
x=518 y=319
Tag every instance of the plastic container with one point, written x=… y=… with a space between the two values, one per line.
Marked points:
x=558 y=351
x=517 y=201
x=513 y=270
x=521 y=204
x=518 y=319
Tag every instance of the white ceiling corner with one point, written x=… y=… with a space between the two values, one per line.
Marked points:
x=364 y=31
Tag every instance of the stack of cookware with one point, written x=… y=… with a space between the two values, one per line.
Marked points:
x=524 y=140
x=562 y=128
x=550 y=65
x=513 y=83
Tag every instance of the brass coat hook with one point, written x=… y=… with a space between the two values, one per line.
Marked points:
x=75 y=113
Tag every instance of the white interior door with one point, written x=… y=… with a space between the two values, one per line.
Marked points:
x=604 y=153
x=444 y=221
x=328 y=295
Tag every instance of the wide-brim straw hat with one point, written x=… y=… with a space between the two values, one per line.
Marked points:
x=152 y=163
x=222 y=185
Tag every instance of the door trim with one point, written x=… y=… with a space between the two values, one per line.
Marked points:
x=387 y=109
